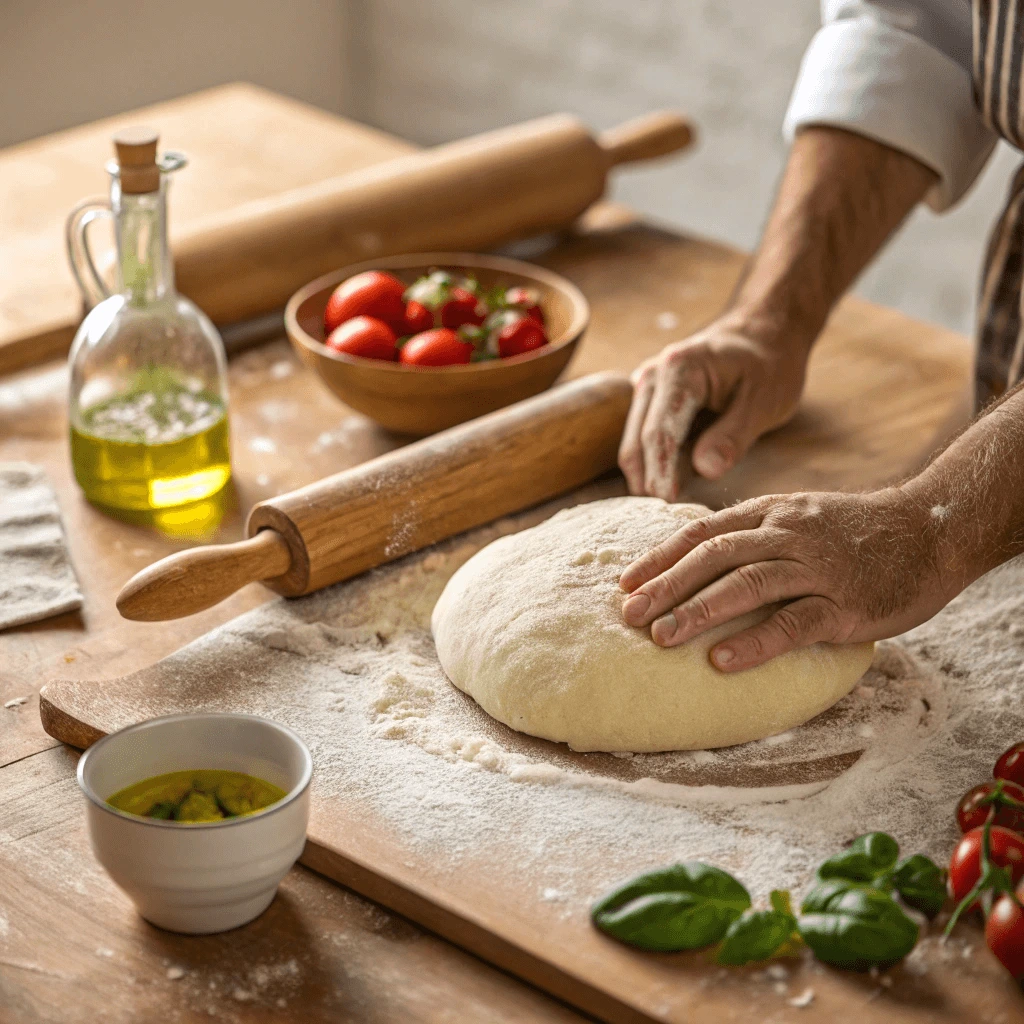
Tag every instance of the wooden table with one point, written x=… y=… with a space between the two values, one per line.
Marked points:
x=72 y=948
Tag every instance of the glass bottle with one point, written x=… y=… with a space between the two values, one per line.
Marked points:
x=148 y=393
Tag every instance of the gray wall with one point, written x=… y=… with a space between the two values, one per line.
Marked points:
x=63 y=63
x=434 y=71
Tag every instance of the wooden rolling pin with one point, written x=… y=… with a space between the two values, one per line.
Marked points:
x=400 y=502
x=473 y=194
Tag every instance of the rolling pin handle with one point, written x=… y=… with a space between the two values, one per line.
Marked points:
x=647 y=137
x=192 y=581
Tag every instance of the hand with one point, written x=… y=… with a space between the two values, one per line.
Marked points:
x=849 y=567
x=753 y=383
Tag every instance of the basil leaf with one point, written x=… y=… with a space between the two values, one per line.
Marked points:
x=921 y=884
x=757 y=935
x=866 y=859
x=855 y=927
x=686 y=906
x=781 y=901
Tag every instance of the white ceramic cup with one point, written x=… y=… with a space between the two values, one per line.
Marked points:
x=209 y=876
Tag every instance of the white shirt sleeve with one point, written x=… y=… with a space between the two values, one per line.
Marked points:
x=898 y=71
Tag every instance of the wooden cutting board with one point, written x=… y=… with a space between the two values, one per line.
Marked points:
x=243 y=144
x=423 y=803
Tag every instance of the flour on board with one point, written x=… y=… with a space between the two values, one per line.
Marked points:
x=352 y=670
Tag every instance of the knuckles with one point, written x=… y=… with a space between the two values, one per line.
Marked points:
x=791 y=625
x=664 y=590
x=750 y=647
x=696 y=613
x=755 y=581
x=719 y=548
x=643 y=375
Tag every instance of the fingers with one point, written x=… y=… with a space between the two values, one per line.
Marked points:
x=745 y=516
x=727 y=440
x=743 y=590
x=680 y=392
x=694 y=571
x=804 y=622
x=631 y=454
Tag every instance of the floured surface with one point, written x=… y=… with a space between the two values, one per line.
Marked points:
x=415 y=780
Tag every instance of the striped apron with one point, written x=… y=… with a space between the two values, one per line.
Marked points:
x=998 y=49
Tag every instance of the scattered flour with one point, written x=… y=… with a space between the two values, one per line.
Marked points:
x=352 y=430
x=803 y=1000
x=352 y=670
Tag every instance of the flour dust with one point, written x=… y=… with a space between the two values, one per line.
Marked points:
x=352 y=669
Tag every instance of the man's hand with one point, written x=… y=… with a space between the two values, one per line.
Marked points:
x=848 y=567
x=841 y=196
x=754 y=385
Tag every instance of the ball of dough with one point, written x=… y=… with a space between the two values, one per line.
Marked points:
x=531 y=627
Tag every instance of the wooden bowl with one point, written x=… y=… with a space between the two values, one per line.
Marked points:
x=423 y=399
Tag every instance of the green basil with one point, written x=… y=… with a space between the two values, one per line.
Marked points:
x=756 y=935
x=781 y=901
x=867 y=859
x=921 y=884
x=855 y=927
x=685 y=906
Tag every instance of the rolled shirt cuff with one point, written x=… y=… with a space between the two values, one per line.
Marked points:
x=881 y=82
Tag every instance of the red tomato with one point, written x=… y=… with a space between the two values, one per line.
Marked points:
x=364 y=336
x=1006 y=849
x=970 y=815
x=1010 y=765
x=439 y=347
x=462 y=307
x=527 y=300
x=417 y=318
x=1004 y=933
x=371 y=293
x=522 y=335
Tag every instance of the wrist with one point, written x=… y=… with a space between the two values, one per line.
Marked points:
x=940 y=521
x=770 y=328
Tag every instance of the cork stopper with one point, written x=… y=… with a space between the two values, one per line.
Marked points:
x=136 y=157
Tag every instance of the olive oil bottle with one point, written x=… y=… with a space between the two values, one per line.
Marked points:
x=148 y=385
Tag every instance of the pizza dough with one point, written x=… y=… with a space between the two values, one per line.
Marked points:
x=531 y=628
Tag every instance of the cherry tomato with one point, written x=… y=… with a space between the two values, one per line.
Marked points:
x=439 y=347
x=1006 y=849
x=462 y=307
x=522 y=335
x=371 y=293
x=364 y=336
x=1004 y=933
x=971 y=813
x=527 y=300
x=1010 y=765
x=417 y=318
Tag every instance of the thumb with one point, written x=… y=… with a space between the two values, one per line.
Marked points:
x=727 y=440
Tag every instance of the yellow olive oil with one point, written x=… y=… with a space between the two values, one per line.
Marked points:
x=152 y=448
x=205 y=794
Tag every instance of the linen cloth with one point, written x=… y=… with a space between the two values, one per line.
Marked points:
x=37 y=579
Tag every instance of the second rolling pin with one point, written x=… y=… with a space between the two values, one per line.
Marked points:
x=400 y=502
x=469 y=195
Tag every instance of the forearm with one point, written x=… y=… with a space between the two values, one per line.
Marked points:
x=841 y=196
x=971 y=496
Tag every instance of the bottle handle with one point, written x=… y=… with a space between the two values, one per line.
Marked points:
x=90 y=282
